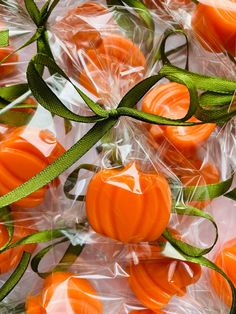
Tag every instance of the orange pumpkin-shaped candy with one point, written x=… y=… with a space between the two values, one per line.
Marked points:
x=172 y=100
x=9 y=66
x=65 y=293
x=145 y=312
x=155 y=282
x=128 y=204
x=22 y=228
x=24 y=152
x=74 y=29
x=226 y=260
x=215 y=28
x=117 y=61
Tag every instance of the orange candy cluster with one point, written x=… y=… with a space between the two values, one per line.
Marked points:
x=24 y=152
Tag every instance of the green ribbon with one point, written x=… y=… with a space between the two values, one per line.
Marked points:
x=231 y=194
x=4 y=38
x=16 y=276
x=203 y=192
x=72 y=179
x=69 y=257
x=181 y=246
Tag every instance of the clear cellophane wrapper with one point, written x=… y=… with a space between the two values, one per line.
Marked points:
x=106 y=74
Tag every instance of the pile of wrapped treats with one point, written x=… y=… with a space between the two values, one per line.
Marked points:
x=117 y=156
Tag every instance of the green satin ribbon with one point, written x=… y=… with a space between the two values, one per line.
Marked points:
x=231 y=194
x=203 y=192
x=4 y=38
x=69 y=257
x=16 y=276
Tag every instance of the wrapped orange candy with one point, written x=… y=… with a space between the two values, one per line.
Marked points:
x=117 y=60
x=9 y=66
x=155 y=282
x=226 y=260
x=117 y=198
x=65 y=293
x=172 y=100
x=23 y=226
x=76 y=31
x=24 y=152
x=215 y=28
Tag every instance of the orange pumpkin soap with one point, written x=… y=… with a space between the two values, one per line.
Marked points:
x=172 y=101
x=74 y=28
x=215 y=28
x=155 y=282
x=64 y=293
x=226 y=260
x=22 y=228
x=117 y=60
x=128 y=204
x=24 y=152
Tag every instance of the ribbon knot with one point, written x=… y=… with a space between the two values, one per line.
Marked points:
x=41 y=30
x=113 y=113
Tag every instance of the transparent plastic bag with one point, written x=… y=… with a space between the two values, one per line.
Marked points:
x=130 y=191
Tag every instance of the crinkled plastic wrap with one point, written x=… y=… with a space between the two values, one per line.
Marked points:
x=115 y=203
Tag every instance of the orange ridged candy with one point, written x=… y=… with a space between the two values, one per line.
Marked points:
x=155 y=282
x=215 y=28
x=116 y=61
x=64 y=293
x=128 y=205
x=76 y=31
x=24 y=152
x=226 y=260
x=22 y=227
x=172 y=100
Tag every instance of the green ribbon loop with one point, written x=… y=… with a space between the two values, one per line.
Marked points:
x=186 y=248
x=163 y=53
x=16 y=276
x=72 y=180
x=69 y=257
x=4 y=38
